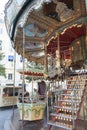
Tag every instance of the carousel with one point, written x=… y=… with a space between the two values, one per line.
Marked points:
x=32 y=106
x=51 y=33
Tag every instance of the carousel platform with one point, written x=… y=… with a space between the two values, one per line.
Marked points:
x=9 y=118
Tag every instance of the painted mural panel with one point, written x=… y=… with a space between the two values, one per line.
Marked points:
x=29 y=45
x=33 y=30
x=78 y=50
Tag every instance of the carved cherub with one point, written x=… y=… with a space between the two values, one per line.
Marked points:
x=63 y=11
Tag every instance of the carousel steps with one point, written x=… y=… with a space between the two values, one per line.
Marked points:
x=76 y=78
x=69 y=101
x=75 y=95
x=60 y=125
x=73 y=98
x=69 y=105
x=66 y=108
x=71 y=95
x=69 y=90
x=62 y=116
x=75 y=89
x=64 y=112
x=74 y=81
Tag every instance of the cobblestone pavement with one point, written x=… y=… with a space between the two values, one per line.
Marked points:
x=9 y=120
x=34 y=125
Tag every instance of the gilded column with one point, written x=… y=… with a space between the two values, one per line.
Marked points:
x=83 y=7
x=79 y=6
x=76 y=6
x=86 y=40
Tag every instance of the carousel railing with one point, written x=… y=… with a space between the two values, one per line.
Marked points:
x=33 y=107
x=68 y=107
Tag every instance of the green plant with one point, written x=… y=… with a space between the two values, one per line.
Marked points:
x=2 y=68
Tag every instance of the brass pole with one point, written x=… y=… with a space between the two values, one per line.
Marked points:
x=58 y=56
x=45 y=58
x=32 y=90
x=14 y=79
x=23 y=82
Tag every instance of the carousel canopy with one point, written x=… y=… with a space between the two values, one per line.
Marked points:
x=43 y=26
x=34 y=75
